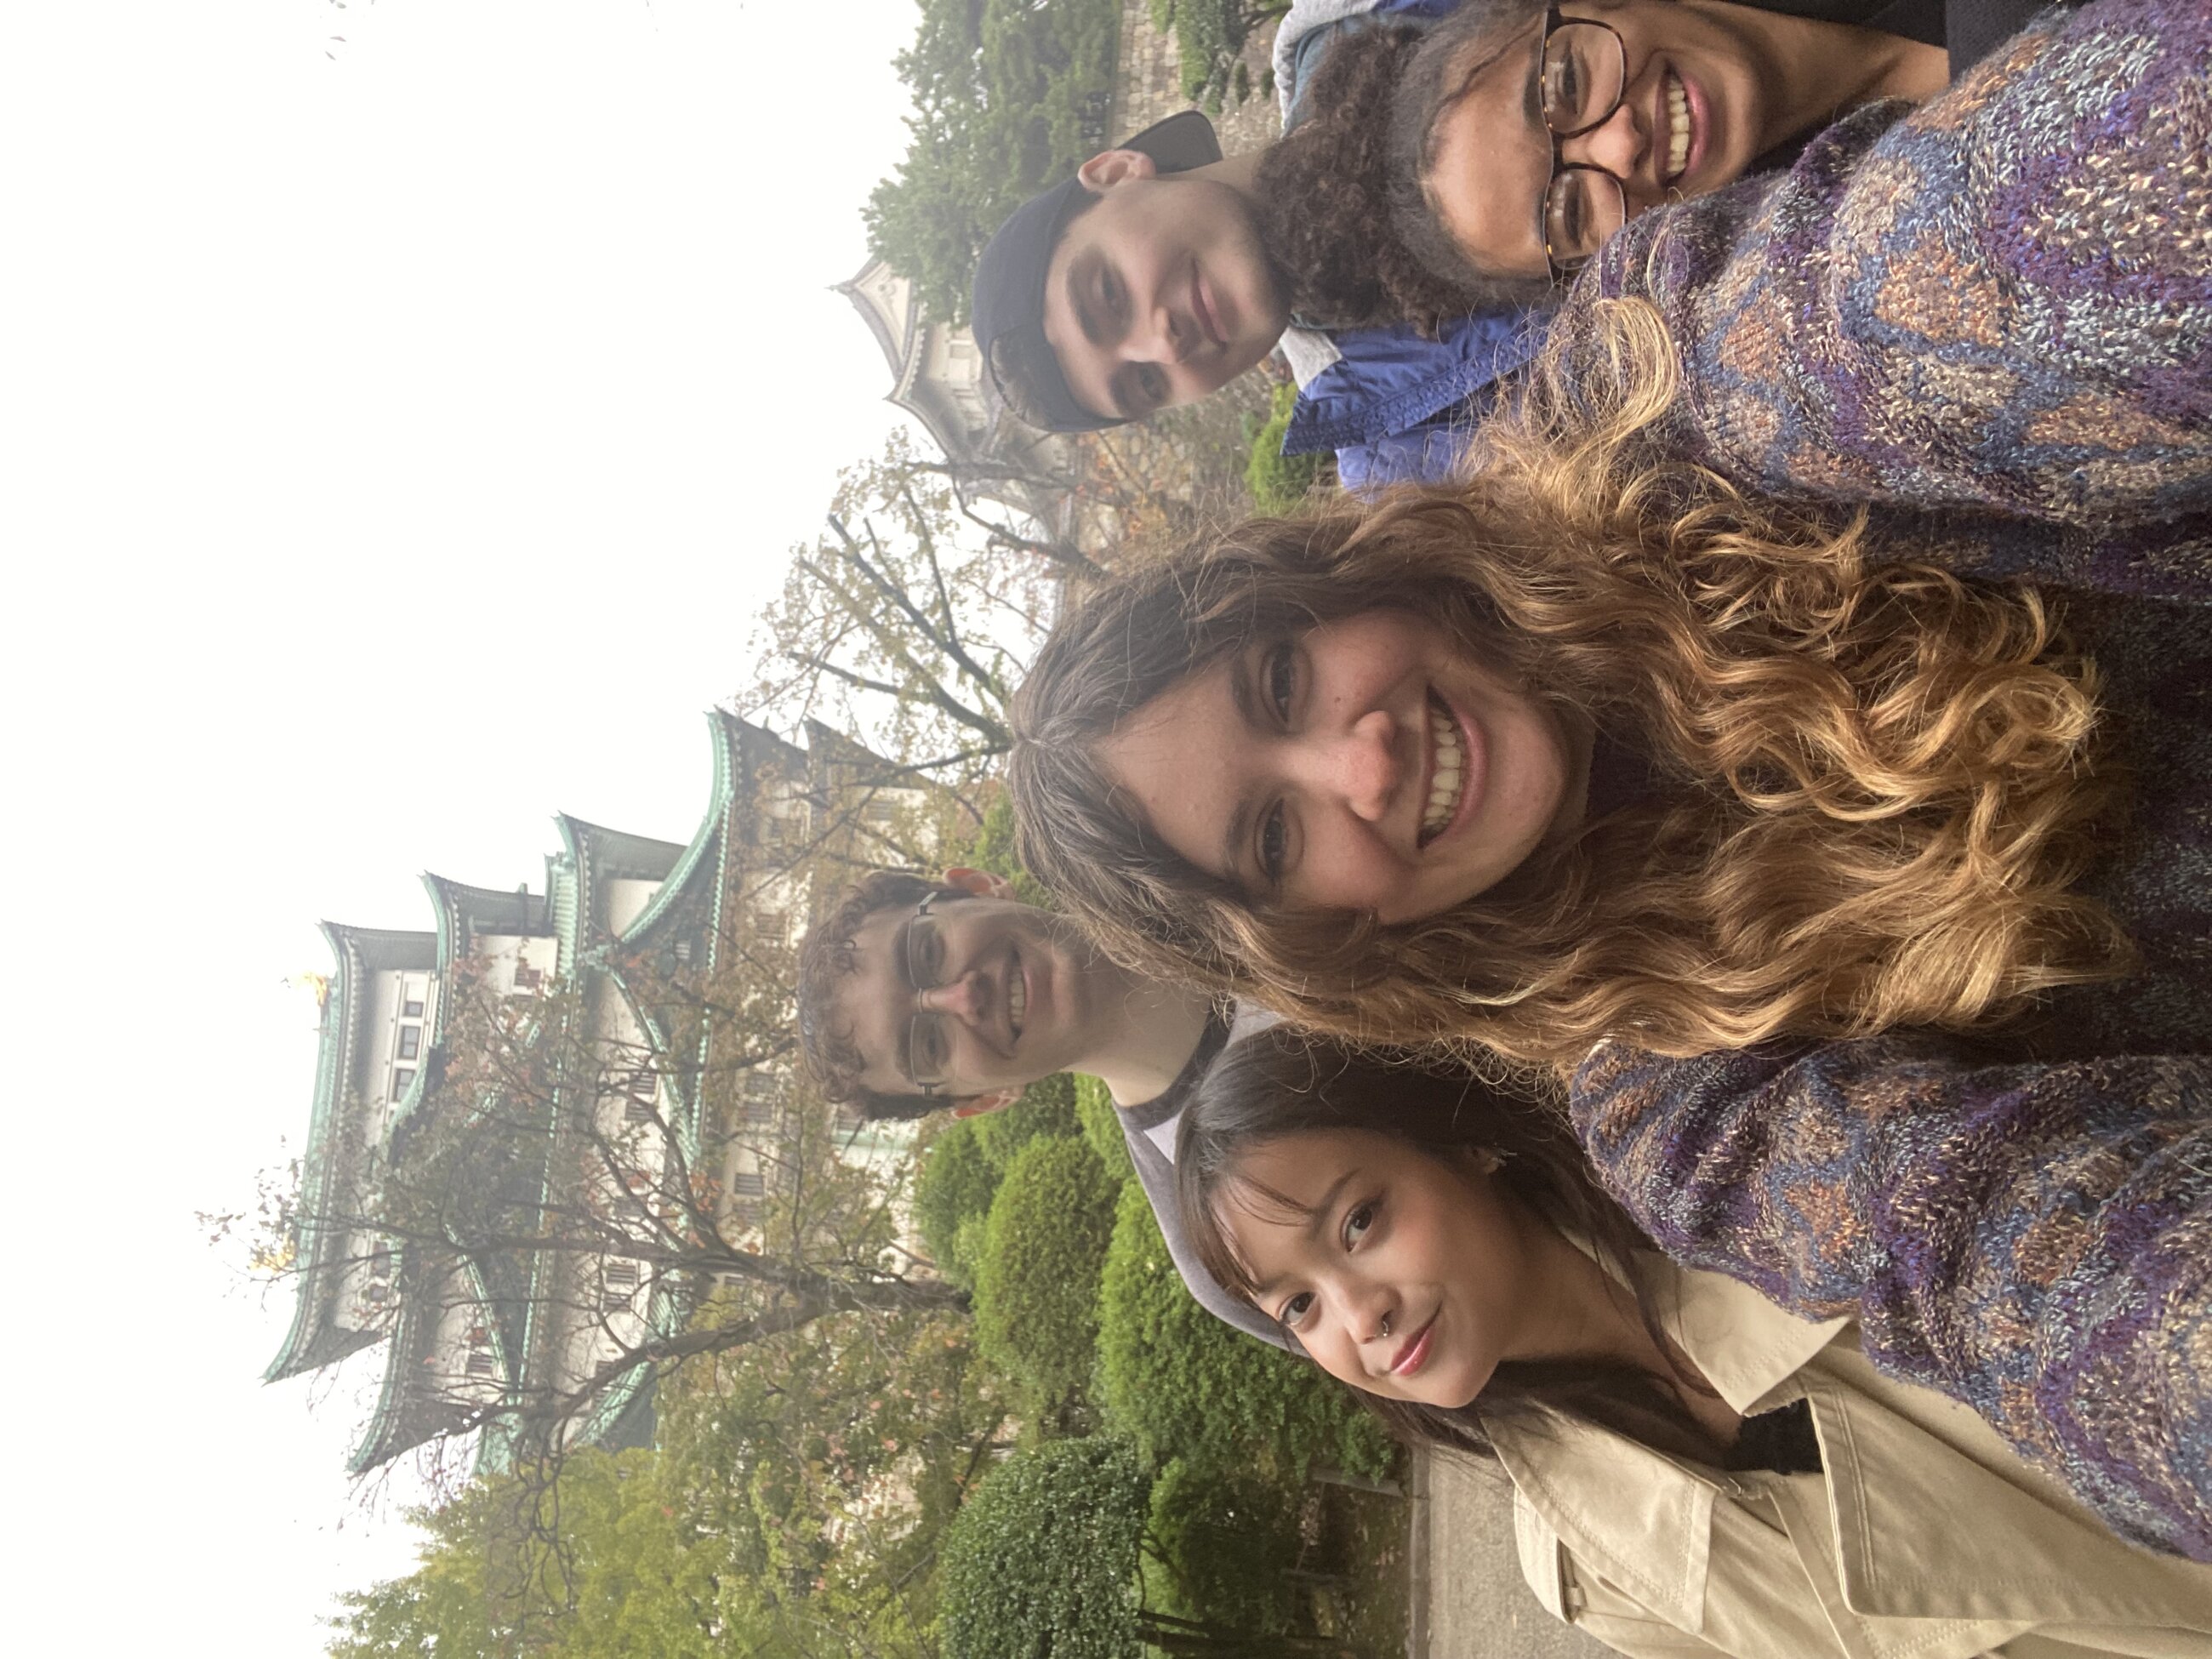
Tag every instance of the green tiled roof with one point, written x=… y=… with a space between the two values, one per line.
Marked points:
x=314 y=1339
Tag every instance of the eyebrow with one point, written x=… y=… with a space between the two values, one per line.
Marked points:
x=1532 y=101
x=1077 y=268
x=1317 y=1217
x=1237 y=833
x=1080 y=270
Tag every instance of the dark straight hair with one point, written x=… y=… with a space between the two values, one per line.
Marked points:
x=1281 y=1082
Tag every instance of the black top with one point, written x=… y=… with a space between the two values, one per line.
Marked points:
x=1781 y=1441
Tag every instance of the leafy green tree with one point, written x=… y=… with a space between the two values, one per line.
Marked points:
x=1008 y=96
x=1183 y=1384
x=1036 y=1285
x=623 y=1579
x=1209 y=35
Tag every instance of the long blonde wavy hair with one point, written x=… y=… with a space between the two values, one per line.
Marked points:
x=1876 y=788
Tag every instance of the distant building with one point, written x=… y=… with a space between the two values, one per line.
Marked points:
x=472 y=1334
x=937 y=377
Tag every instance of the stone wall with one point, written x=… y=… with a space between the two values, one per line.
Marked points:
x=1148 y=87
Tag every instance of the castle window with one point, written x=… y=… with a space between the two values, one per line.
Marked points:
x=637 y=1109
x=746 y=1184
x=480 y=1363
x=411 y=1041
x=413 y=1008
x=402 y=1081
x=617 y=1284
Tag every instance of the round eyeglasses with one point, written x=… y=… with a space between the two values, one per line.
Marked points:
x=928 y=1034
x=1581 y=76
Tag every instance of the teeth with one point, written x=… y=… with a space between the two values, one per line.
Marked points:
x=1678 y=124
x=1450 y=750
x=1017 y=1000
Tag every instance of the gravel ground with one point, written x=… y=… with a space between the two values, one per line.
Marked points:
x=1469 y=1600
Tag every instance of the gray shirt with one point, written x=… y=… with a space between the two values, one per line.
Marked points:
x=1150 y=1129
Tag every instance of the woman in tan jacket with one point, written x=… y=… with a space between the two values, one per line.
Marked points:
x=1695 y=1470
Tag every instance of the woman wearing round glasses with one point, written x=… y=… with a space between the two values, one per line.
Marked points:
x=1992 y=302
x=1542 y=145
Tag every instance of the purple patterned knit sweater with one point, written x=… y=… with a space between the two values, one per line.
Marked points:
x=2001 y=300
x=2027 y=1226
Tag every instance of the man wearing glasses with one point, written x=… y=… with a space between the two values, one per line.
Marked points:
x=917 y=996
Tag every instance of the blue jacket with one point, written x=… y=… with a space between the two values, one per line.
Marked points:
x=1392 y=405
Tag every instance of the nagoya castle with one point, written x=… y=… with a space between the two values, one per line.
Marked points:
x=470 y=1334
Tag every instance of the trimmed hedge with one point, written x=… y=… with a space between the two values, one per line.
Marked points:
x=1036 y=1282
x=1226 y=1542
x=1042 y=1557
x=1278 y=483
x=1047 y=1108
x=952 y=1193
x=1102 y=1127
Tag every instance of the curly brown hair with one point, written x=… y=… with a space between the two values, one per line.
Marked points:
x=1878 y=792
x=1342 y=208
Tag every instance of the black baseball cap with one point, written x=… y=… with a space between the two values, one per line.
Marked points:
x=1007 y=315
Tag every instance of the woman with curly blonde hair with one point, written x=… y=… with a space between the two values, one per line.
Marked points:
x=1587 y=746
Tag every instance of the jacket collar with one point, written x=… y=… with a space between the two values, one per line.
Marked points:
x=1747 y=1347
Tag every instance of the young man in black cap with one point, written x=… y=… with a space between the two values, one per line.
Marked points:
x=1137 y=283
x=1145 y=280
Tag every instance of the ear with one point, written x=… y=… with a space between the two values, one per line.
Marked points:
x=983 y=1105
x=1113 y=166
x=981 y=883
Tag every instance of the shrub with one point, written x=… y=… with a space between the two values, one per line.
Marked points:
x=952 y=1193
x=1278 y=482
x=1046 y=1110
x=1225 y=1541
x=1102 y=1127
x=1041 y=1559
x=1183 y=1383
x=1036 y=1283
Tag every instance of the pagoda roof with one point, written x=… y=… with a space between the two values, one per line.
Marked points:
x=405 y=1415
x=594 y=855
x=315 y=1338
x=741 y=751
x=888 y=308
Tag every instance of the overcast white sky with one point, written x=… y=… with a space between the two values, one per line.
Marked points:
x=398 y=433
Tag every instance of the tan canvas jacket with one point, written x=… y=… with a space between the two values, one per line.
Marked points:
x=1924 y=1538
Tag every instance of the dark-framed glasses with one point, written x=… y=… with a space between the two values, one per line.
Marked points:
x=1581 y=76
x=928 y=1034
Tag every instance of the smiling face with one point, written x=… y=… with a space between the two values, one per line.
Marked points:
x=1020 y=994
x=1158 y=293
x=1401 y=1273
x=1699 y=105
x=1367 y=764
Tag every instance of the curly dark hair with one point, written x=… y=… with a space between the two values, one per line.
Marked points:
x=825 y=960
x=1342 y=206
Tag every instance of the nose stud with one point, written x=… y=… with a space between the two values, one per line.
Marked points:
x=1386 y=1325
